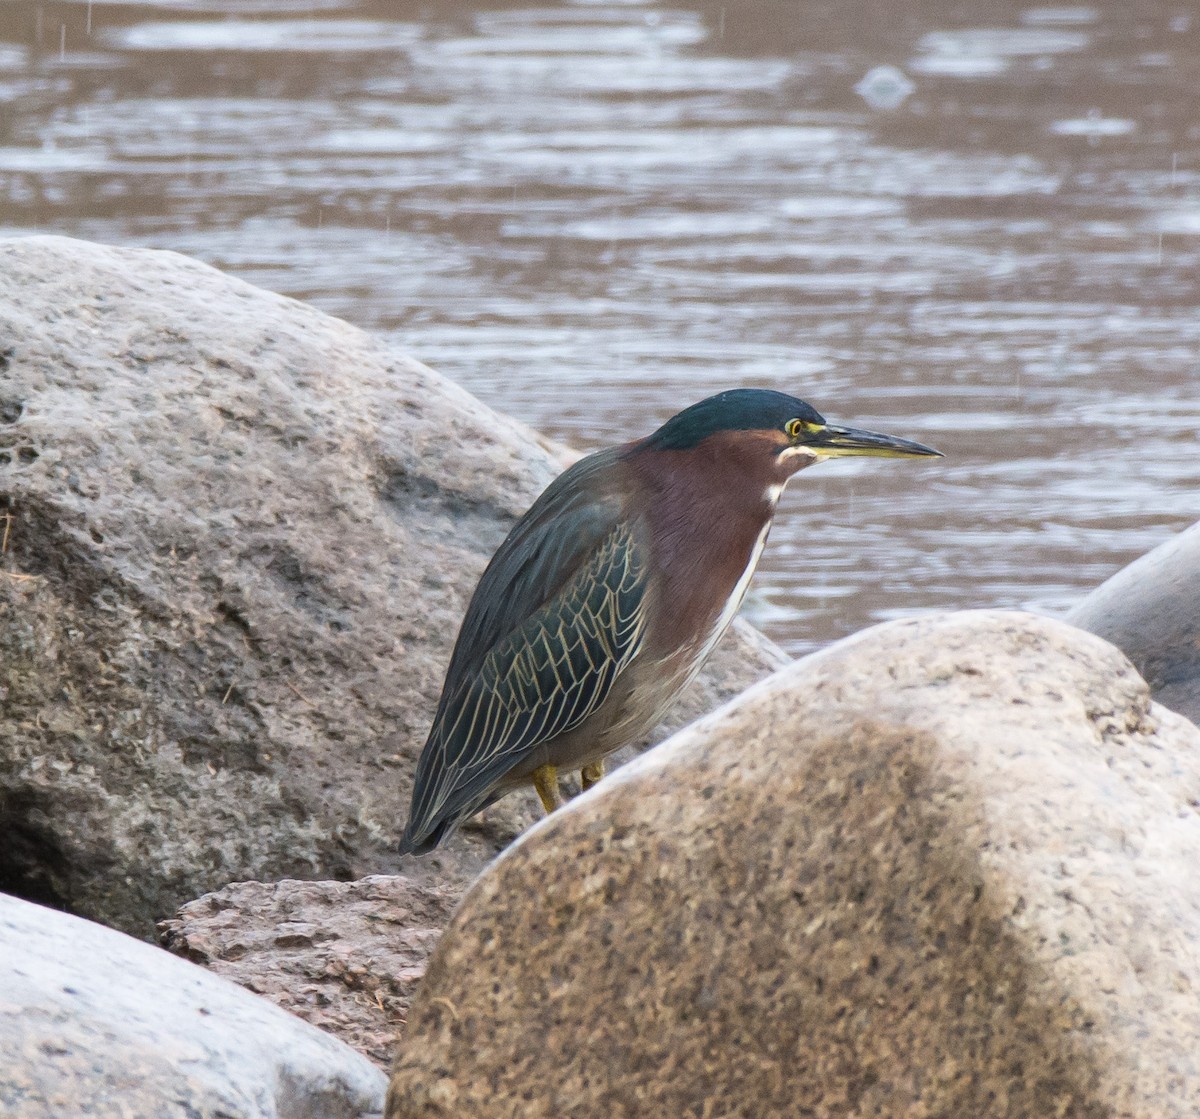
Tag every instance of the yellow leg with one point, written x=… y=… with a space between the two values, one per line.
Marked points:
x=590 y=774
x=545 y=780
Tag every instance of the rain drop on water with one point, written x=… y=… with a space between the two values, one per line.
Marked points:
x=885 y=87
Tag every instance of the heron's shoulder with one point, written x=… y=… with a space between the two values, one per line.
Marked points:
x=600 y=480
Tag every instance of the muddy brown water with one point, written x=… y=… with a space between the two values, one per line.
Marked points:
x=974 y=224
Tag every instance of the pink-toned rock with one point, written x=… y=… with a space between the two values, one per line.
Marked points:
x=344 y=956
x=946 y=867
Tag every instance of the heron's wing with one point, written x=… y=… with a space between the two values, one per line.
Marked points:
x=553 y=540
x=541 y=679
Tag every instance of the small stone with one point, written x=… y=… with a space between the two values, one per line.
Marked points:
x=371 y=936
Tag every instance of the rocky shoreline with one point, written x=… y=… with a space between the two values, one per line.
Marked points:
x=945 y=866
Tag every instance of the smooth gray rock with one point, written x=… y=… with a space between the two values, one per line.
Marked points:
x=97 y=1025
x=238 y=539
x=946 y=867
x=1151 y=611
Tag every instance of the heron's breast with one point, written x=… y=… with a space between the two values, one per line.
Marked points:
x=700 y=585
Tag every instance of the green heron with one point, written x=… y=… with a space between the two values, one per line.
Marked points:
x=608 y=596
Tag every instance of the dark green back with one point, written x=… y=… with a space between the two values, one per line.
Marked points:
x=557 y=615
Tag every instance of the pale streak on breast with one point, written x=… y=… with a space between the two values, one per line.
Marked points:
x=664 y=696
x=734 y=601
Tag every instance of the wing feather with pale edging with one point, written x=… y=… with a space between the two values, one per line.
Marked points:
x=551 y=668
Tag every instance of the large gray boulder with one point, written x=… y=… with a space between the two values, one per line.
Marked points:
x=1151 y=611
x=97 y=1025
x=238 y=537
x=945 y=867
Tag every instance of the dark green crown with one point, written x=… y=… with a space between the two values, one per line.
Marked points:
x=733 y=410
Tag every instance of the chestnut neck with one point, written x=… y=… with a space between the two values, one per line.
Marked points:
x=706 y=508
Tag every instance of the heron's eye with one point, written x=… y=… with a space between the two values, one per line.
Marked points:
x=795 y=428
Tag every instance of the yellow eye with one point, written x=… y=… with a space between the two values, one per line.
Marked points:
x=795 y=428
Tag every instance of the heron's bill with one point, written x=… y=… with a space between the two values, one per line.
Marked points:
x=841 y=442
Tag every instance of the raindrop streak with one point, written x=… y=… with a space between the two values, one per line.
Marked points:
x=62 y=42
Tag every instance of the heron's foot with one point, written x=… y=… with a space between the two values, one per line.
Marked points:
x=590 y=774
x=545 y=780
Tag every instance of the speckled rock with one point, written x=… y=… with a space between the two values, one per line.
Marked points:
x=1151 y=611
x=97 y=1025
x=947 y=867
x=345 y=956
x=237 y=540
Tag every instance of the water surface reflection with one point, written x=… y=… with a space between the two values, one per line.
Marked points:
x=592 y=213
